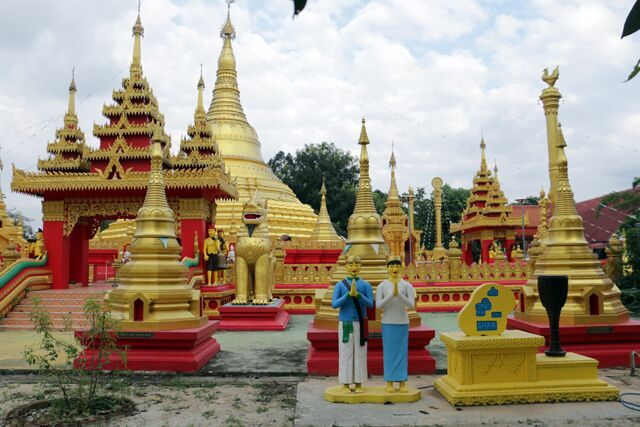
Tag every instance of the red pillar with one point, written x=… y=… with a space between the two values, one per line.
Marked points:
x=486 y=244
x=57 y=253
x=508 y=247
x=79 y=254
x=188 y=229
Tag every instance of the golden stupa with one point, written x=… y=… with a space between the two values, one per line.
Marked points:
x=324 y=230
x=395 y=222
x=153 y=294
x=593 y=298
x=239 y=145
x=364 y=240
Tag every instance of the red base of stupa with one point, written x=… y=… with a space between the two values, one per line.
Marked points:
x=178 y=350
x=610 y=344
x=322 y=357
x=270 y=317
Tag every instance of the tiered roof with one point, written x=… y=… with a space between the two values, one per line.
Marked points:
x=122 y=162
x=66 y=152
x=199 y=148
x=125 y=140
x=487 y=205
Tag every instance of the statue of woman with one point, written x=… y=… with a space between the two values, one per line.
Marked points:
x=395 y=296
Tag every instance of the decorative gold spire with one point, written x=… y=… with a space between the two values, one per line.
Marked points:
x=324 y=230
x=138 y=33
x=71 y=109
x=395 y=228
x=483 y=159
x=393 y=188
x=227 y=31
x=593 y=298
x=364 y=196
x=154 y=293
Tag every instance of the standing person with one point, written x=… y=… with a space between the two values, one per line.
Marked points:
x=222 y=258
x=395 y=296
x=211 y=250
x=352 y=296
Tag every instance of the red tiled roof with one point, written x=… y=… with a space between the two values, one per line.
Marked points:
x=598 y=229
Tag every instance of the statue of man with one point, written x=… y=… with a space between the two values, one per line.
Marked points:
x=395 y=296
x=352 y=296
x=211 y=250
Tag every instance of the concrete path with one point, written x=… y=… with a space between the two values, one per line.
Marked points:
x=434 y=410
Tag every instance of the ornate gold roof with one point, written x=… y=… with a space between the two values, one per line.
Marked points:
x=199 y=149
x=487 y=205
x=125 y=139
x=66 y=152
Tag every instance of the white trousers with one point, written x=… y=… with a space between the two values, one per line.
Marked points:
x=353 y=357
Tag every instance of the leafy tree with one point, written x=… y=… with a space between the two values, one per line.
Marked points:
x=631 y=25
x=379 y=199
x=454 y=200
x=304 y=170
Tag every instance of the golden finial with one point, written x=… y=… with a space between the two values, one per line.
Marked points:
x=200 y=106
x=201 y=81
x=392 y=160
x=552 y=78
x=227 y=31
x=323 y=189
x=483 y=159
x=364 y=139
x=542 y=193
x=138 y=32
x=324 y=231
x=71 y=109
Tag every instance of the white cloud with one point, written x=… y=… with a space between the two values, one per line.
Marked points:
x=429 y=75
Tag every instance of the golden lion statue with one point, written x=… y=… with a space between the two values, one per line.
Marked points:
x=255 y=263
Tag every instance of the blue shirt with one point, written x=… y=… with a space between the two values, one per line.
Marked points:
x=345 y=303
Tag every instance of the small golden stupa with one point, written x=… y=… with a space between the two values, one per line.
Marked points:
x=154 y=294
x=241 y=150
x=364 y=240
x=324 y=230
x=395 y=222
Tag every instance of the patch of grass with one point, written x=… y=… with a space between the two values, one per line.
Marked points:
x=262 y=409
x=208 y=414
x=237 y=403
x=233 y=422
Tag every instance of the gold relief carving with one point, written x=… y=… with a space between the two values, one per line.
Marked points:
x=485 y=362
x=194 y=209
x=53 y=210
x=77 y=208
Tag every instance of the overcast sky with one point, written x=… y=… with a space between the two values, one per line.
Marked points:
x=429 y=75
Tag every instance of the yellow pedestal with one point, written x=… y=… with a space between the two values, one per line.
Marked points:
x=373 y=394
x=506 y=369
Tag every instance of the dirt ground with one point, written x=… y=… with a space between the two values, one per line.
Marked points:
x=185 y=402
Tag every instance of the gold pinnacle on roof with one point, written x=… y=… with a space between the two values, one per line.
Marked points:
x=65 y=153
x=199 y=148
x=395 y=223
x=239 y=145
x=483 y=159
x=138 y=33
x=154 y=293
x=439 y=252
x=593 y=298
x=324 y=230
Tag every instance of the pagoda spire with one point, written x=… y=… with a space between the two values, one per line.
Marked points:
x=71 y=109
x=138 y=33
x=364 y=197
x=393 y=188
x=483 y=159
x=200 y=106
x=324 y=230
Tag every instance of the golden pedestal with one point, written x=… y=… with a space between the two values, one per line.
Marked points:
x=372 y=394
x=505 y=369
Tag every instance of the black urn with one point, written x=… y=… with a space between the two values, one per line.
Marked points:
x=553 y=291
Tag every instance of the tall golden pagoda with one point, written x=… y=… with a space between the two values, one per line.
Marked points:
x=241 y=150
x=395 y=222
x=593 y=298
x=154 y=294
x=324 y=230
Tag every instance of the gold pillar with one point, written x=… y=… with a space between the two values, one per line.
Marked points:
x=439 y=251
x=550 y=98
